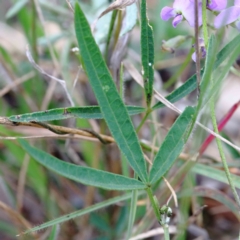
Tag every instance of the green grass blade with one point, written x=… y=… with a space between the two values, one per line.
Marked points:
x=81 y=212
x=85 y=175
x=54 y=233
x=16 y=8
x=220 y=74
x=191 y=84
x=89 y=112
x=112 y=106
x=224 y=53
x=213 y=194
x=172 y=145
x=232 y=151
x=147 y=53
x=132 y=214
x=215 y=174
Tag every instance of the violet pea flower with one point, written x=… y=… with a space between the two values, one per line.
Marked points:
x=182 y=9
x=216 y=5
x=202 y=50
x=228 y=16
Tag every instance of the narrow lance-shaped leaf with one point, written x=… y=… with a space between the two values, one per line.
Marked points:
x=213 y=194
x=81 y=212
x=172 y=145
x=191 y=84
x=16 y=8
x=216 y=174
x=111 y=104
x=88 y=112
x=220 y=74
x=147 y=52
x=85 y=175
x=209 y=63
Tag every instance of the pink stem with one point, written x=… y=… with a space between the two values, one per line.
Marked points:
x=221 y=125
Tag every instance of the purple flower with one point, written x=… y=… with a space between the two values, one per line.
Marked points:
x=182 y=9
x=228 y=16
x=202 y=50
x=216 y=5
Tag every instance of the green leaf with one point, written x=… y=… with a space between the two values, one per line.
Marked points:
x=16 y=8
x=172 y=145
x=216 y=174
x=85 y=175
x=64 y=113
x=111 y=104
x=213 y=194
x=191 y=84
x=54 y=233
x=228 y=49
x=208 y=69
x=81 y=212
x=147 y=53
x=220 y=74
x=232 y=151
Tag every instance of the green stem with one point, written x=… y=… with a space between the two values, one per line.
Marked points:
x=155 y=207
x=166 y=232
x=157 y=213
x=121 y=83
x=132 y=214
x=110 y=32
x=204 y=19
x=224 y=161
x=34 y=32
x=143 y=120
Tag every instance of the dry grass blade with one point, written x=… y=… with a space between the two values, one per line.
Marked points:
x=118 y=4
x=69 y=5
x=17 y=218
x=17 y=82
x=59 y=129
x=138 y=78
x=174 y=195
x=21 y=182
x=38 y=68
x=154 y=232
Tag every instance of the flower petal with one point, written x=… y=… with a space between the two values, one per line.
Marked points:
x=189 y=14
x=217 y=5
x=227 y=16
x=237 y=3
x=177 y=20
x=194 y=56
x=180 y=5
x=167 y=13
x=203 y=52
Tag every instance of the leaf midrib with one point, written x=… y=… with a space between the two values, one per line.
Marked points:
x=180 y=139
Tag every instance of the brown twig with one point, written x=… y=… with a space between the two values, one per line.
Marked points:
x=59 y=129
x=73 y=133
